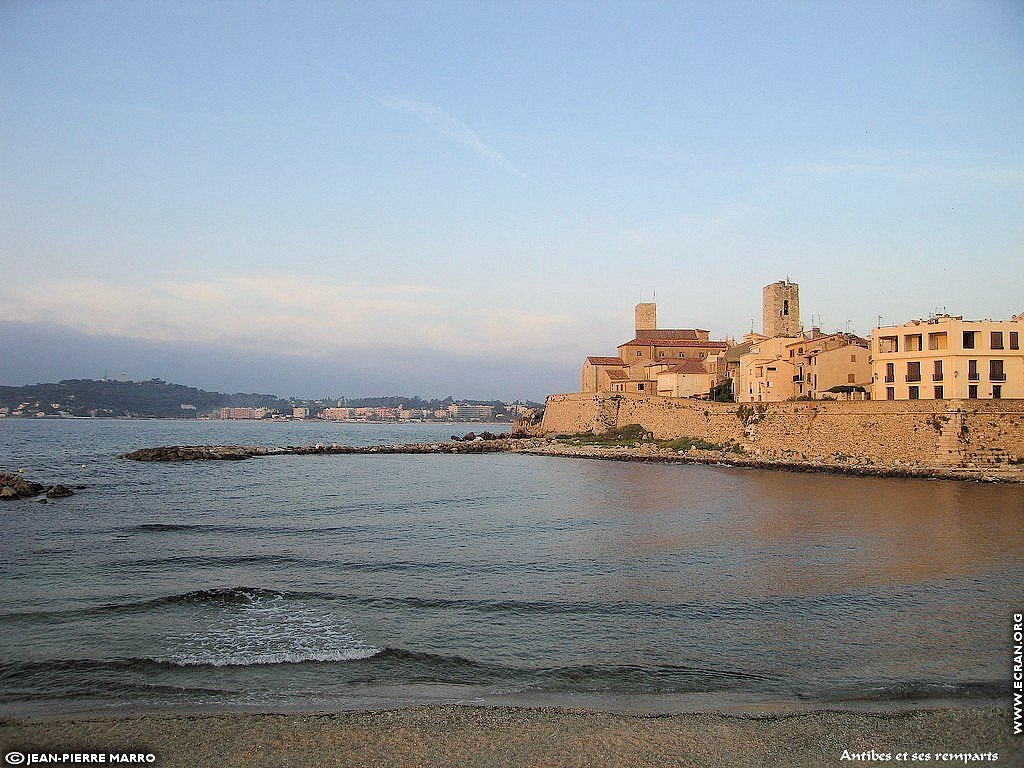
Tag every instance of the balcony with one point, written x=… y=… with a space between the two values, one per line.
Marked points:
x=890 y=378
x=973 y=376
x=936 y=377
x=913 y=377
x=997 y=377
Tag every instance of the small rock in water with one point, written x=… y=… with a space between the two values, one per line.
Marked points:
x=59 y=492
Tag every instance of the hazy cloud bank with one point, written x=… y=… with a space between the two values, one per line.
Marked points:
x=41 y=352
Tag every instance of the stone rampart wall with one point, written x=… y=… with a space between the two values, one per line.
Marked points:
x=928 y=432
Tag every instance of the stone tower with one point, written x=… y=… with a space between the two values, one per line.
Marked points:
x=646 y=316
x=781 y=303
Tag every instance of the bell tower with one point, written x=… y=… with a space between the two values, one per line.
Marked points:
x=646 y=316
x=781 y=309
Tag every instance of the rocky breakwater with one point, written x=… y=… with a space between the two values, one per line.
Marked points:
x=14 y=486
x=469 y=444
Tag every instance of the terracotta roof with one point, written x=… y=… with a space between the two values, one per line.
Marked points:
x=685 y=334
x=674 y=343
x=617 y=375
x=605 y=361
x=686 y=366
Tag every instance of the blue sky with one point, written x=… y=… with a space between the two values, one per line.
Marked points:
x=467 y=198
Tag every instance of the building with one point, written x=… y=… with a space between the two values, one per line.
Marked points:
x=467 y=412
x=336 y=414
x=833 y=365
x=688 y=352
x=780 y=309
x=766 y=373
x=300 y=412
x=948 y=358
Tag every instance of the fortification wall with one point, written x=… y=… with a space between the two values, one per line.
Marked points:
x=890 y=433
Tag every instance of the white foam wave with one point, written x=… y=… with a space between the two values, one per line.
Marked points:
x=251 y=659
x=268 y=630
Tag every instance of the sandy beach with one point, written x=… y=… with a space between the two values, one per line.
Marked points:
x=501 y=736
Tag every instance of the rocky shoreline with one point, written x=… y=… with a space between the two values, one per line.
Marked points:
x=539 y=446
x=14 y=486
x=654 y=455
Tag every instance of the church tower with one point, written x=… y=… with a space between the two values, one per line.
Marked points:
x=646 y=317
x=781 y=309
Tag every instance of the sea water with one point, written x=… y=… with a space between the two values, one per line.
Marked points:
x=368 y=581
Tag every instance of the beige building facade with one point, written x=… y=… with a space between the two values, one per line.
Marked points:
x=948 y=358
x=836 y=365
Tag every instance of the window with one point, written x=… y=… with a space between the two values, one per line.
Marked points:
x=937 y=373
x=890 y=372
x=913 y=342
x=785 y=307
x=851 y=379
x=972 y=370
x=938 y=341
x=792 y=352
x=888 y=344
x=997 y=391
x=995 y=371
x=938 y=393
x=890 y=393
x=638 y=353
x=972 y=391
x=1014 y=343
x=969 y=339
x=913 y=370
x=914 y=393
x=639 y=387
x=661 y=353
x=997 y=340
x=853 y=358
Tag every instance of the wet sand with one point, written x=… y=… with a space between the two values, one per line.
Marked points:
x=504 y=736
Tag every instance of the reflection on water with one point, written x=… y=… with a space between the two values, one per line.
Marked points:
x=393 y=579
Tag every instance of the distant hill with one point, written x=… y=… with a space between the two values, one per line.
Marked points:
x=106 y=397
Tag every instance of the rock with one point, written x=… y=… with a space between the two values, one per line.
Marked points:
x=41 y=501
x=59 y=492
x=469 y=436
x=7 y=492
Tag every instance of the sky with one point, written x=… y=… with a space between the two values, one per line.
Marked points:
x=434 y=198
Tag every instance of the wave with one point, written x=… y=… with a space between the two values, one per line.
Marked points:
x=245 y=595
x=920 y=689
x=398 y=666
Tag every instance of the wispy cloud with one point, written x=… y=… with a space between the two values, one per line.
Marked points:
x=449 y=127
x=436 y=118
x=921 y=169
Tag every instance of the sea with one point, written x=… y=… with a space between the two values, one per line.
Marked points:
x=335 y=582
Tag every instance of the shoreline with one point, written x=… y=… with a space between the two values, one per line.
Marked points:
x=513 y=736
x=540 y=446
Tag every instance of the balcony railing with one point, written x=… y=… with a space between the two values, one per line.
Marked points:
x=997 y=377
x=936 y=377
x=973 y=376
x=913 y=377
x=889 y=379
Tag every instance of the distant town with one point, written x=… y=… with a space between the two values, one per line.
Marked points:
x=155 y=398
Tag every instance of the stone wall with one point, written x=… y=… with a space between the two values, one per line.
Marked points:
x=891 y=433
